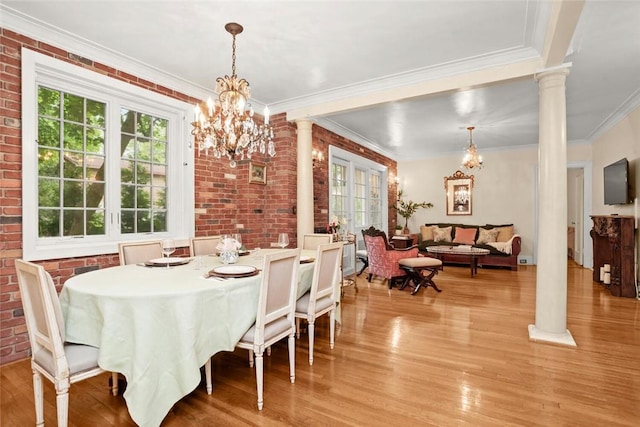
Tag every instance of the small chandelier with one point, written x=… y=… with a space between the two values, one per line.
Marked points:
x=226 y=126
x=471 y=158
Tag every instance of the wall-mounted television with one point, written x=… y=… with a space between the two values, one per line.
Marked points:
x=616 y=183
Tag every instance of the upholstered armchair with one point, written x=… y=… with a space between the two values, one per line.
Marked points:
x=383 y=258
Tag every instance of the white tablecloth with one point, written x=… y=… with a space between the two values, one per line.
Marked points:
x=158 y=326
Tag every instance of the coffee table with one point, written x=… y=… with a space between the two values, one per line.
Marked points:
x=472 y=253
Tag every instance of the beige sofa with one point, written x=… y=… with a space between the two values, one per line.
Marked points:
x=501 y=241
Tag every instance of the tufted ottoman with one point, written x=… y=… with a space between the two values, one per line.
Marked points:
x=421 y=270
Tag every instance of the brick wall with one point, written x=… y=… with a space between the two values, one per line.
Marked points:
x=322 y=139
x=225 y=201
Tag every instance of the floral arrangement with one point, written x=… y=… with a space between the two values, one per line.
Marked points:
x=227 y=244
x=335 y=223
x=406 y=209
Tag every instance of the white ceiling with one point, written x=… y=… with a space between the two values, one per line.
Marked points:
x=405 y=78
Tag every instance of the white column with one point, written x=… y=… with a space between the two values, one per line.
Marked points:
x=551 y=278
x=305 y=180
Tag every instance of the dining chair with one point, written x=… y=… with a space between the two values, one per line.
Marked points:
x=274 y=317
x=61 y=363
x=137 y=252
x=204 y=245
x=312 y=241
x=321 y=298
x=383 y=258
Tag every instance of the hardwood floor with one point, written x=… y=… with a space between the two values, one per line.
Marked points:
x=460 y=357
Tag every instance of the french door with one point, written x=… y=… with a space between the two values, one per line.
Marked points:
x=357 y=194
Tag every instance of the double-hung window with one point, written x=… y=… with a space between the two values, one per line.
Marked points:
x=103 y=161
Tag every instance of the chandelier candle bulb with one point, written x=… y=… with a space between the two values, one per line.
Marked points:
x=266 y=115
x=225 y=126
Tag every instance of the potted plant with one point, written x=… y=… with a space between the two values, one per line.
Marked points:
x=398 y=229
x=406 y=209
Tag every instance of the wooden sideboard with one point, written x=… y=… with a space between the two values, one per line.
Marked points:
x=613 y=244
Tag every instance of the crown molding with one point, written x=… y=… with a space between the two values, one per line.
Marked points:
x=627 y=107
x=340 y=130
x=52 y=35
x=503 y=58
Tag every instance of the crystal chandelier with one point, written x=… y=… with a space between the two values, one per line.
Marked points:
x=226 y=126
x=471 y=158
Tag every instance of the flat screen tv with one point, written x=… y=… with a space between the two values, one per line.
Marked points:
x=616 y=183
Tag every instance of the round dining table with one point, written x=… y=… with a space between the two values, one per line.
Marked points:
x=157 y=326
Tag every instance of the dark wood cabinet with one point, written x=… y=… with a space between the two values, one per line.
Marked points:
x=404 y=241
x=613 y=243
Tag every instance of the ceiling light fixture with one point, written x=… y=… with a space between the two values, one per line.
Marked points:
x=226 y=126
x=471 y=158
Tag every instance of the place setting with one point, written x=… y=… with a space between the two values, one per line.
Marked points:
x=232 y=272
x=168 y=247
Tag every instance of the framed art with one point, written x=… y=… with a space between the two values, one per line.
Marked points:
x=458 y=188
x=257 y=173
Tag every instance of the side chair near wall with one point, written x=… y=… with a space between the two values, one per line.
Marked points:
x=321 y=298
x=275 y=315
x=312 y=241
x=205 y=245
x=383 y=258
x=61 y=363
x=137 y=252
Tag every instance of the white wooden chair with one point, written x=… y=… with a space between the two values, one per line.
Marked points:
x=320 y=299
x=205 y=245
x=312 y=241
x=275 y=315
x=61 y=363
x=137 y=252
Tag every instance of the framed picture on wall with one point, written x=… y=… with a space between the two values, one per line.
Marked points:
x=257 y=173
x=458 y=190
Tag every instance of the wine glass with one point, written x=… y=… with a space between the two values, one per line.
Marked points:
x=283 y=240
x=238 y=238
x=168 y=247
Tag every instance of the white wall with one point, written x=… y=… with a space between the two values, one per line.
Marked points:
x=503 y=192
x=505 y=189
x=622 y=140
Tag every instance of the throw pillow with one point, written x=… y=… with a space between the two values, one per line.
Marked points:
x=504 y=233
x=442 y=234
x=427 y=232
x=487 y=236
x=465 y=236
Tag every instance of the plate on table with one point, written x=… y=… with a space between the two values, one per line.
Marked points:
x=306 y=259
x=163 y=262
x=234 y=271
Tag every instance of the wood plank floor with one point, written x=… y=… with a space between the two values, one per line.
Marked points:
x=458 y=358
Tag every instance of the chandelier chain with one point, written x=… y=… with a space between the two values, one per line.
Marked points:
x=226 y=126
x=233 y=57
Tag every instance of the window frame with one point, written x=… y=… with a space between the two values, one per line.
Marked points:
x=39 y=69
x=353 y=162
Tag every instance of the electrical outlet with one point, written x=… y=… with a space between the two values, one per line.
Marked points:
x=523 y=261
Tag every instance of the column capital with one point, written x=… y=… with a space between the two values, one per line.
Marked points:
x=560 y=70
